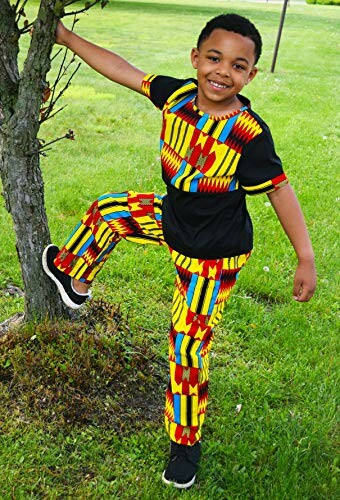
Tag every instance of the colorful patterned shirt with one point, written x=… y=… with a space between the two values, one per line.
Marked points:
x=209 y=164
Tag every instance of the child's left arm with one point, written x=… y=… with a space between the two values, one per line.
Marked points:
x=290 y=215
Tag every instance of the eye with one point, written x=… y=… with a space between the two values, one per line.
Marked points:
x=239 y=67
x=213 y=59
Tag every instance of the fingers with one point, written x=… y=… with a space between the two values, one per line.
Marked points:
x=303 y=292
x=304 y=281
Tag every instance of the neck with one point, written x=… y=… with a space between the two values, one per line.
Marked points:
x=219 y=108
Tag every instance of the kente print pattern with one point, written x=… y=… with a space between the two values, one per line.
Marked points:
x=113 y=216
x=202 y=288
x=200 y=153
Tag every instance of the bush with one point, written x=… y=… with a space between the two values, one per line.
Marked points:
x=324 y=2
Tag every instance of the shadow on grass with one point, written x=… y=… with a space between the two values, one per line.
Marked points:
x=268 y=300
x=86 y=372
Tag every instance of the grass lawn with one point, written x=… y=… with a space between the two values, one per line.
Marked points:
x=274 y=357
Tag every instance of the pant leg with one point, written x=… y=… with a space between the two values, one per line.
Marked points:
x=133 y=216
x=201 y=290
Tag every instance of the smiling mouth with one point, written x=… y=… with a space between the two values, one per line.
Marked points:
x=218 y=85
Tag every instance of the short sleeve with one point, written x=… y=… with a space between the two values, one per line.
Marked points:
x=260 y=169
x=159 y=88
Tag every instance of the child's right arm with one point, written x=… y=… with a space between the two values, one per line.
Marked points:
x=104 y=61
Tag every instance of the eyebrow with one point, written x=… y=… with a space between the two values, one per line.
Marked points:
x=221 y=54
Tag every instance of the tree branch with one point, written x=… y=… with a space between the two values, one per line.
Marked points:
x=43 y=145
x=21 y=11
x=88 y=6
x=45 y=113
x=17 y=5
x=53 y=114
x=36 y=67
x=53 y=101
x=61 y=70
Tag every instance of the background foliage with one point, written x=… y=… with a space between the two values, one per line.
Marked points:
x=324 y=2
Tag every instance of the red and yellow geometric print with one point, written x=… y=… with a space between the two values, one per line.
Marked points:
x=146 y=84
x=246 y=128
x=202 y=288
x=202 y=154
x=133 y=216
x=271 y=185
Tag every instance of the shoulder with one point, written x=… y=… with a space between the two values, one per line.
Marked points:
x=256 y=118
x=162 y=89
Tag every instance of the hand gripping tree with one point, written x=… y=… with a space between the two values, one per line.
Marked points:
x=21 y=97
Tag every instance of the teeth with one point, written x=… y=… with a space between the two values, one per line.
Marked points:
x=218 y=85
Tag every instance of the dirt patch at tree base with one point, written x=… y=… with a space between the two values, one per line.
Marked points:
x=92 y=371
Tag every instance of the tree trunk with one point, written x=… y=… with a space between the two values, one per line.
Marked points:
x=24 y=195
x=20 y=100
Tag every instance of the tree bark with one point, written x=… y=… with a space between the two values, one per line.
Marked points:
x=9 y=74
x=23 y=187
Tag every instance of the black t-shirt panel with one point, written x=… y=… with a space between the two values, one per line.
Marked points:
x=207 y=226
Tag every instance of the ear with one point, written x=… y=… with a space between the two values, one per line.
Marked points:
x=252 y=74
x=194 y=57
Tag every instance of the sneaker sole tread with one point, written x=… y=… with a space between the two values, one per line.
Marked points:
x=66 y=299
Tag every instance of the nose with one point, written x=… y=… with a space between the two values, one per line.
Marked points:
x=223 y=70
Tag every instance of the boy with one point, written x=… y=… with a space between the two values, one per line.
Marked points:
x=214 y=151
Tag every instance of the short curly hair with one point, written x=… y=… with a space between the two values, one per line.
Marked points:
x=237 y=24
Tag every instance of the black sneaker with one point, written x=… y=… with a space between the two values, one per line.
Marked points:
x=183 y=465
x=70 y=297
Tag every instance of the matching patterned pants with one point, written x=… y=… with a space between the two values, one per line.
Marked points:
x=201 y=290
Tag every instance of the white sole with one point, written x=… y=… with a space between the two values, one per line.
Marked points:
x=66 y=299
x=178 y=485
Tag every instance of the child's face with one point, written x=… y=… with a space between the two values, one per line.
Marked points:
x=225 y=64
